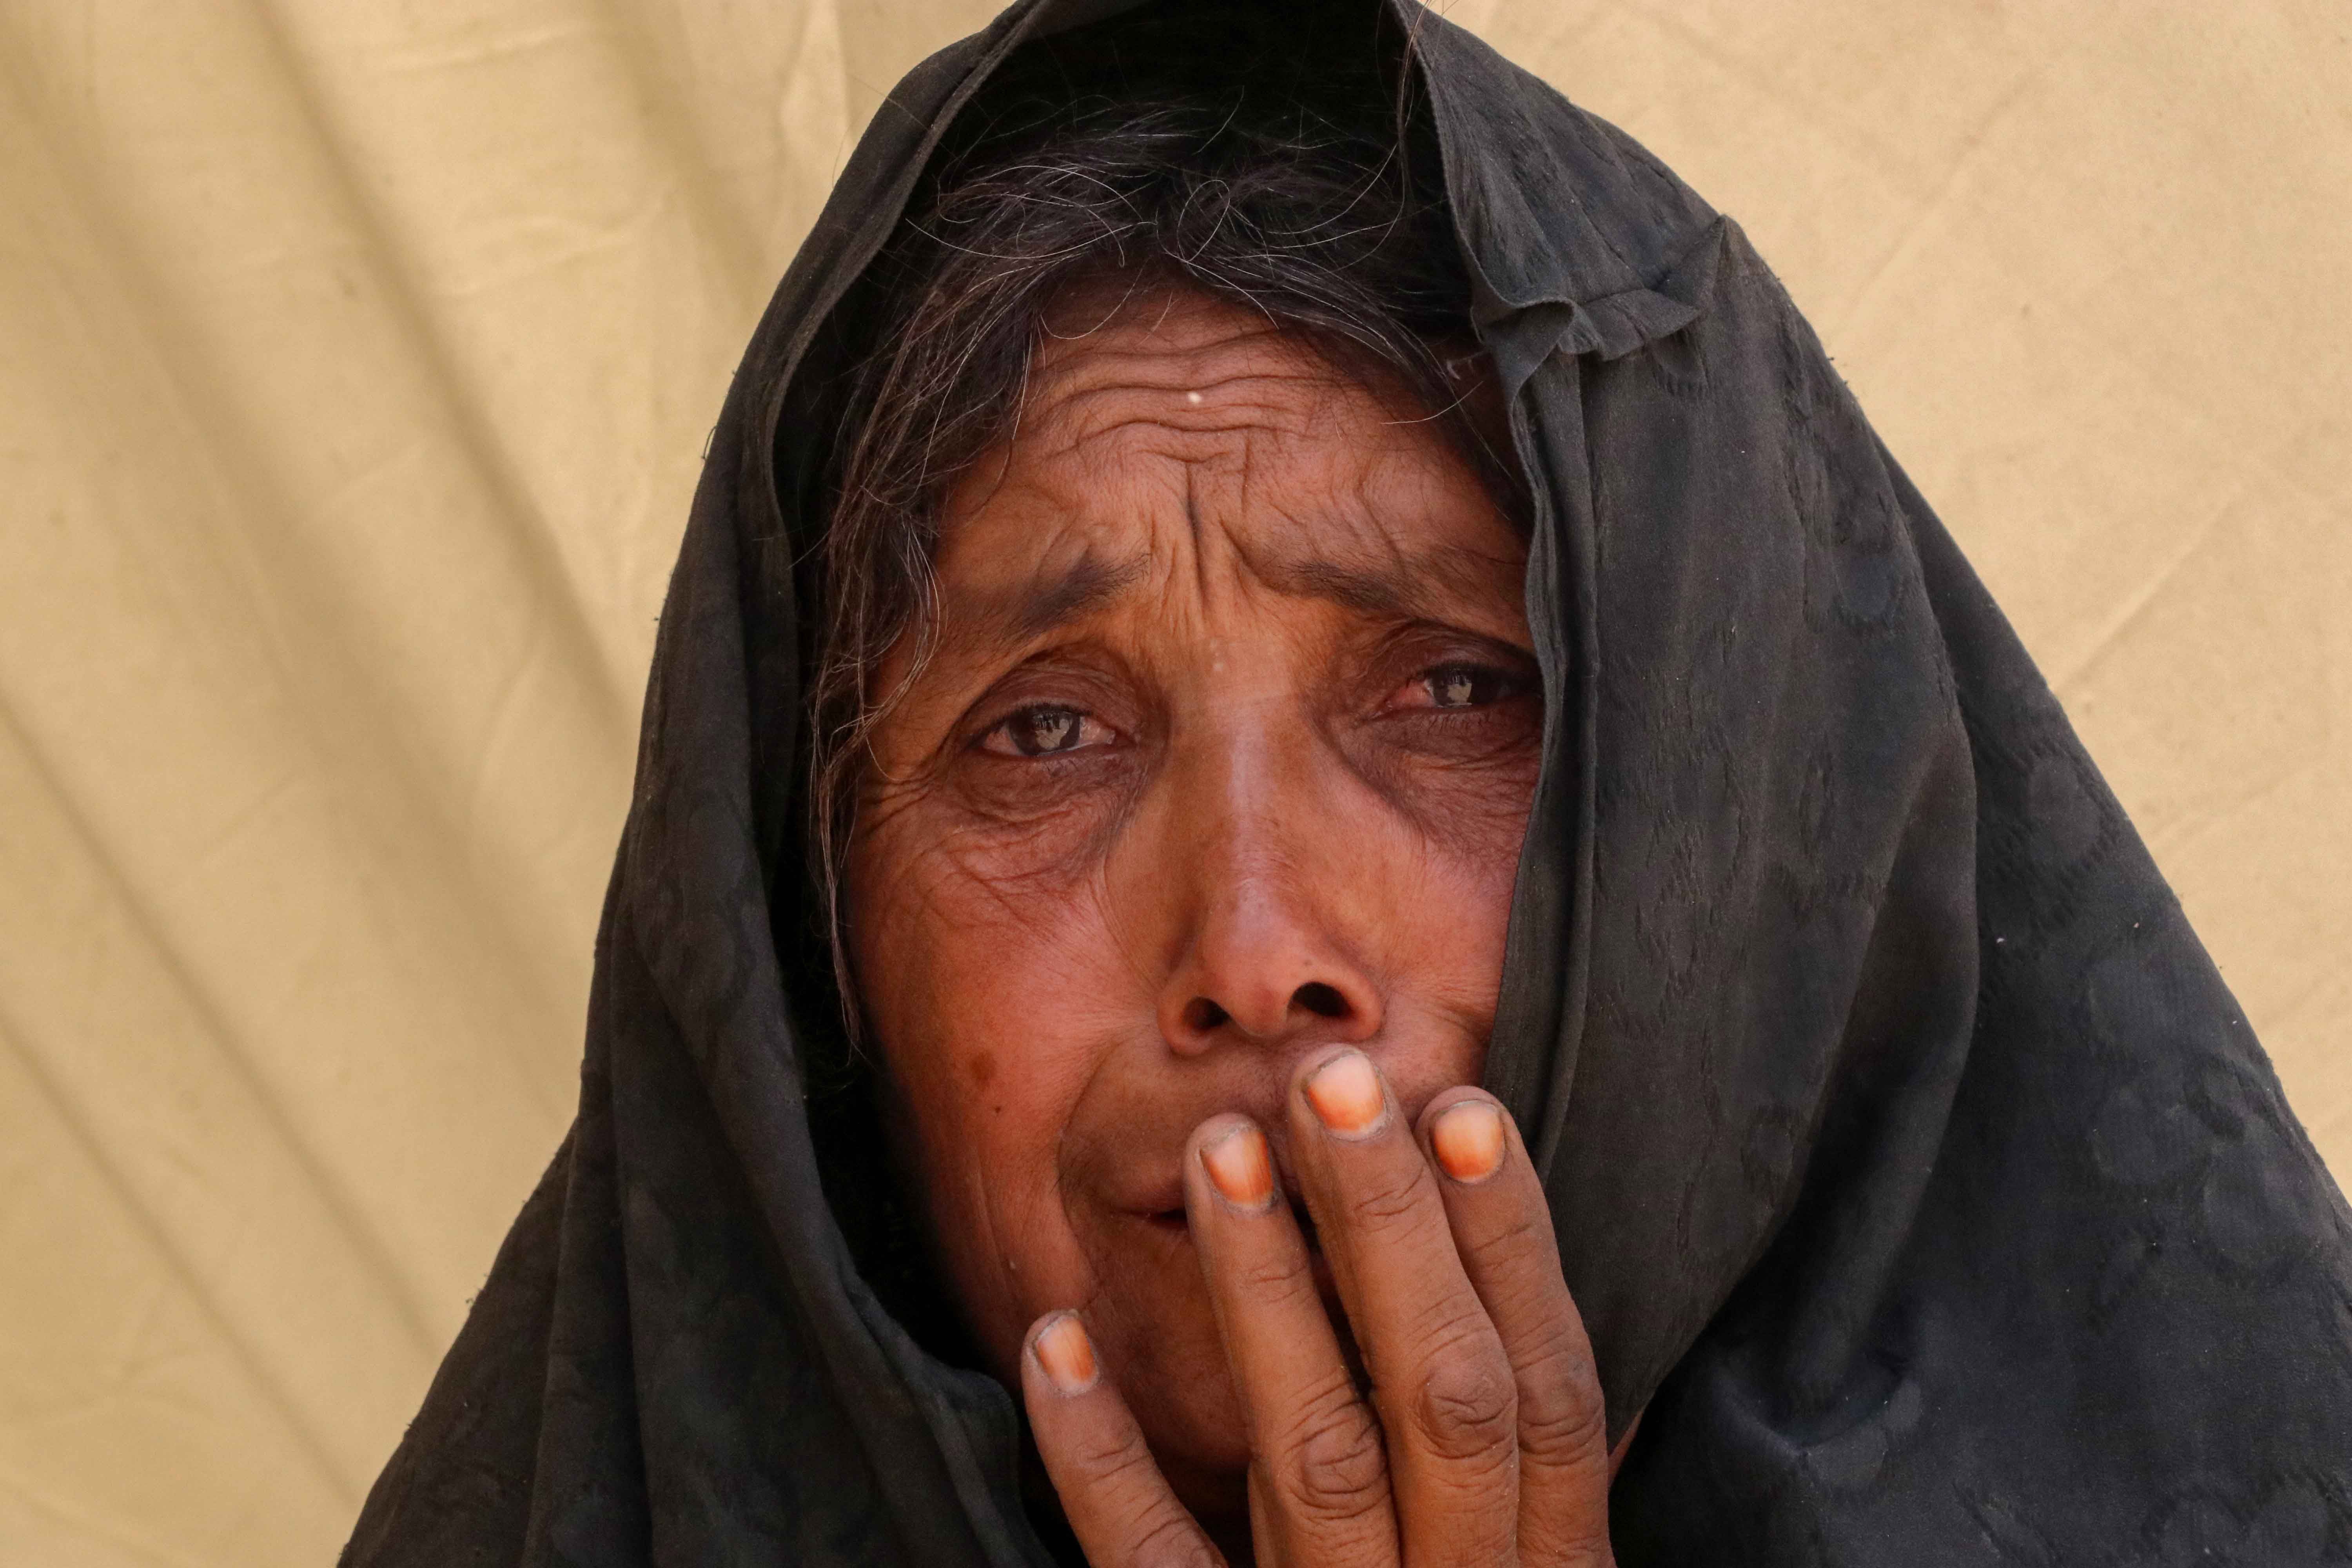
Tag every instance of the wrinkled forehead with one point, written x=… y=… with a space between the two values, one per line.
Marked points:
x=1108 y=358
x=1171 y=433
x=1112 y=335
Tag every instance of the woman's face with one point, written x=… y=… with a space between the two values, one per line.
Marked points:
x=1225 y=755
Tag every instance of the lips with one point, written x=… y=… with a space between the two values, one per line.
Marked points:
x=1173 y=1229
x=1172 y=1218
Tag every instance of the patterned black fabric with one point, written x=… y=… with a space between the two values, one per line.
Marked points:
x=1912 y=1164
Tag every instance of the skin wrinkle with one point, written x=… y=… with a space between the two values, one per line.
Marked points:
x=1424 y=582
x=1193 y=522
x=990 y=620
x=1242 y=598
x=1302 y=369
x=1089 y=586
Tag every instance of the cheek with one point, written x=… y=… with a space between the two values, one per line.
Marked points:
x=1477 y=820
x=1451 y=859
x=1448 y=927
x=1435 y=864
x=993 y=956
x=972 y=995
x=1465 y=790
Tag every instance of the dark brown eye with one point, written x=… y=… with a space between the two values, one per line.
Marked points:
x=1044 y=730
x=1465 y=685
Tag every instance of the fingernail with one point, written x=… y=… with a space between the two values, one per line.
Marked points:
x=1346 y=1093
x=1468 y=1139
x=1239 y=1168
x=1063 y=1349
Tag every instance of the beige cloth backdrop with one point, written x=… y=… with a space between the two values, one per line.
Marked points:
x=355 y=363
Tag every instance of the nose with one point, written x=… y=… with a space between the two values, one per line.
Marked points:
x=1271 y=954
x=1259 y=972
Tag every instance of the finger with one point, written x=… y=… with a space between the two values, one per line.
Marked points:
x=1119 y=1506
x=1440 y=1378
x=1319 y=1478
x=1502 y=1233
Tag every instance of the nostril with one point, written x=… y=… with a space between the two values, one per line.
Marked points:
x=1323 y=1001
x=1202 y=1016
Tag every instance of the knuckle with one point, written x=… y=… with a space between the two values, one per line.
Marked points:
x=1526 y=1238
x=1580 y=1542
x=1563 y=1418
x=1170 y=1540
x=1338 y=1466
x=1107 y=1461
x=1394 y=1198
x=1466 y=1405
x=1271 y=1278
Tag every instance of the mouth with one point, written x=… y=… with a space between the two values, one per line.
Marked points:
x=1174 y=1229
x=1174 y=1223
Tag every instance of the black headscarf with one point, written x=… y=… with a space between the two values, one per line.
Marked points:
x=1912 y=1166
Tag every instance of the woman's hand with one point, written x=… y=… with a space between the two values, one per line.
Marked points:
x=1481 y=1441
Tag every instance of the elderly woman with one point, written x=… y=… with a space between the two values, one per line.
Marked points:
x=1261 y=571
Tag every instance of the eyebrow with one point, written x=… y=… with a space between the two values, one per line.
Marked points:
x=1045 y=603
x=1413 y=585
x=1373 y=592
x=1417 y=584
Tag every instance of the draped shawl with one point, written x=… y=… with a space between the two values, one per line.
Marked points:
x=1913 y=1168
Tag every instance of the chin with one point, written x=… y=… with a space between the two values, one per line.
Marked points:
x=1150 y=1313
x=1193 y=1424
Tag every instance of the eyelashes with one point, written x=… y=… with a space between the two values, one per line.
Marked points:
x=1044 y=730
x=1458 y=685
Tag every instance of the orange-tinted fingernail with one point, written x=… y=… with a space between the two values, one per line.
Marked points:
x=1346 y=1094
x=1468 y=1139
x=1067 y=1355
x=1239 y=1166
